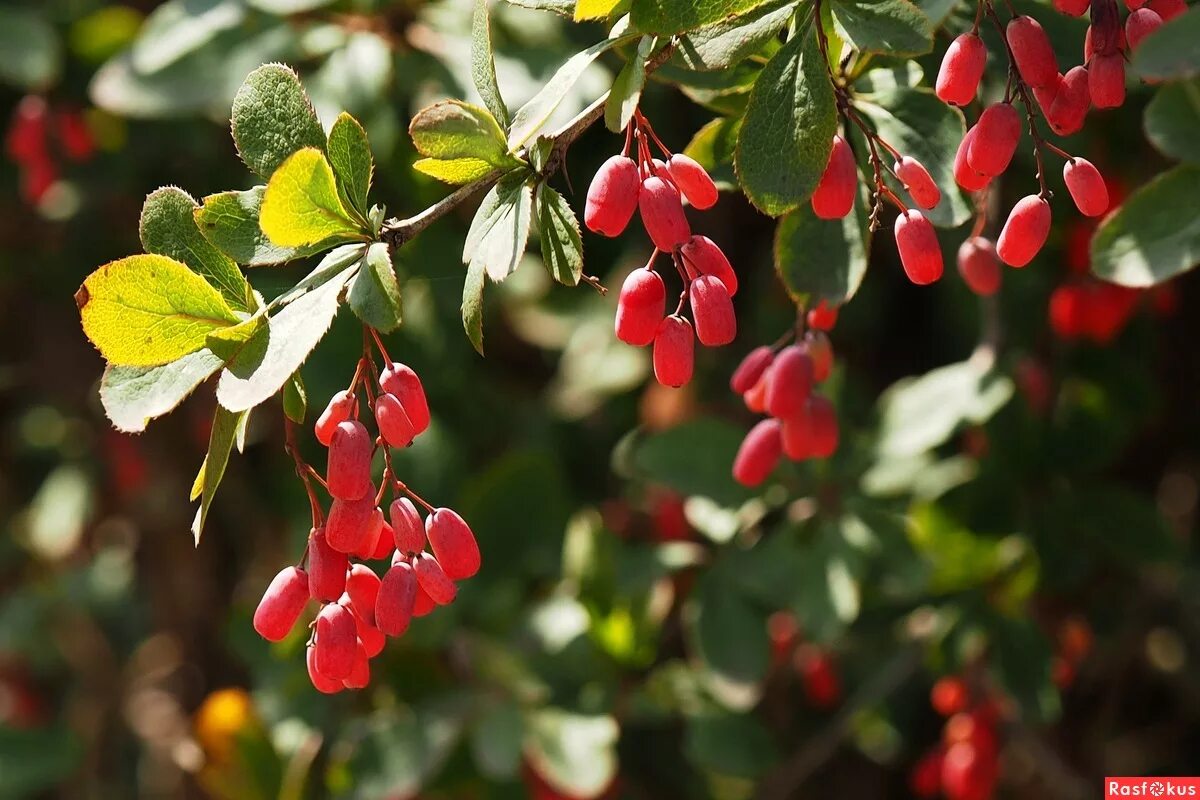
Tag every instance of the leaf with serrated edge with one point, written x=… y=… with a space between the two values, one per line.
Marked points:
x=229 y=220
x=295 y=399
x=562 y=247
x=472 y=304
x=457 y=171
x=220 y=442
x=726 y=43
x=301 y=205
x=626 y=90
x=483 y=64
x=350 y=157
x=453 y=129
x=147 y=310
x=132 y=396
x=273 y=118
x=500 y=228
x=893 y=27
x=676 y=16
x=228 y=342
x=375 y=295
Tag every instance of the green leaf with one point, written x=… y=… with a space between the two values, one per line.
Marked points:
x=714 y=147
x=626 y=90
x=350 y=157
x=936 y=11
x=574 y=753
x=301 y=206
x=30 y=50
x=842 y=243
x=295 y=399
x=453 y=129
x=273 y=118
x=530 y=117
x=147 y=310
x=788 y=130
x=1172 y=51
x=891 y=27
x=1155 y=234
x=180 y=27
x=456 y=171
x=1172 y=119
x=396 y=751
x=483 y=64
x=472 y=304
x=228 y=342
x=270 y=357
x=496 y=740
x=737 y=745
x=229 y=220
x=132 y=396
x=676 y=16
x=564 y=8
x=34 y=760
x=562 y=247
x=168 y=228
x=693 y=458
x=375 y=294
x=500 y=229
x=728 y=42
x=287 y=7
x=220 y=442
x=728 y=634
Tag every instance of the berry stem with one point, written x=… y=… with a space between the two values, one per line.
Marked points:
x=303 y=470
x=378 y=343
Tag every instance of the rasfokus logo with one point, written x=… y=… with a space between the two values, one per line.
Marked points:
x=1151 y=787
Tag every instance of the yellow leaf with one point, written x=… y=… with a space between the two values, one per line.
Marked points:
x=454 y=170
x=301 y=205
x=594 y=9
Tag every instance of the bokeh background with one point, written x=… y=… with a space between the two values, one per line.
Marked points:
x=642 y=627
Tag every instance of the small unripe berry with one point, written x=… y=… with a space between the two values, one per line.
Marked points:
x=751 y=369
x=321 y=683
x=433 y=580
x=348 y=470
x=640 y=307
x=918 y=182
x=397 y=593
x=917 y=242
x=337 y=641
x=996 y=137
x=1071 y=103
x=702 y=254
x=350 y=522
x=824 y=426
x=1167 y=9
x=823 y=316
x=961 y=70
x=407 y=528
x=400 y=380
x=1025 y=231
x=791 y=382
x=979 y=266
x=716 y=322
x=326 y=568
x=693 y=180
x=834 y=195
x=1086 y=186
x=674 y=351
x=613 y=196
x=817 y=345
x=1032 y=51
x=362 y=587
x=360 y=672
x=342 y=407
x=1139 y=25
x=759 y=453
x=662 y=214
x=965 y=175
x=1075 y=8
x=394 y=425
x=281 y=604
x=1106 y=80
x=452 y=543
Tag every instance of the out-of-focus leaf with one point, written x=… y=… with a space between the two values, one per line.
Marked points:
x=574 y=753
x=1172 y=51
x=34 y=760
x=180 y=27
x=737 y=745
x=693 y=458
x=402 y=749
x=287 y=7
x=30 y=50
x=729 y=636
x=496 y=740
x=1173 y=117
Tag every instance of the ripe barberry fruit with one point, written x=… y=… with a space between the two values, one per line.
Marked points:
x=966 y=773
x=834 y=195
x=1167 y=9
x=925 y=780
x=433 y=579
x=326 y=569
x=1025 y=231
x=320 y=682
x=961 y=70
x=397 y=593
x=452 y=543
x=751 y=369
x=1075 y=8
x=337 y=641
x=640 y=307
x=693 y=180
x=918 y=182
x=759 y=453
x=791 y=382
x=348 y=472
x=407 y=528
x=342 y=407
x=1139 y=25
x=613 y=196
x=716 y=322
x=360 y=672
x=702 y=254
x=824 y=426
x=1134 y=5
x=965 y=175
x=949 y=695
x=920 y=253
x=392 y=420
x=1071 y=103
x=369 y=545
x=979 y=266
x=997 y=134
x=1032 y=51
x=816 y=343
x=362 y=589
x=400 y=380
x=350 y=522
x=756 y=396
x=662 y=214
x=372 y=639
x=819 y=676
x=823 y=316
x=674 y=351
x=1106 y=80
x=423 y=604
x=281 y=604
x=73 y=133
x=1086 y=185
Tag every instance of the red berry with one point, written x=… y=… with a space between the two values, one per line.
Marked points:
x=920 y=253
x=1167 y=9
x=77 y=141
x=423 y=604
x=1106 y=311
x=612 y=197
x=326 y=568
x=702 y=255
x=1032 y=51
x=949 y=696
x=384 y=544
x=397 y=593
x=26 y=140
x=824 y=425
x=925 y=780
x=372 y=639
x=369 y=545
x=996 y=137
x=407 y=528
x=662 y=214
x=400 y=380
x=1139 y=25
x=823 y=316
x=791 y=382
x=348 y=473
x=961 y=70
x=640 y=307
x=716 y=322
x=1106 y=80
x=321 y=683
x=1075 y=8
x=1071 y=103
x=433 y=580
x=1066 y=312
x=821 y=352
x=452 y=543
x=822 y=686
x=1105 y=36
x=351 y=522
x=759 y=453
x=1025 y=231
x=756 y=396
x=337 y=641
x=673 y=351
x=751 y=369
x=1134 y=5
x=342 y=407
x=967 y=774
x=36 y=179
x=281 y=604
x=1086 y=186
x=394 y=425
x=965 y=175
x=979 y=266
x=360 y=672
x=834 y=195
x=693 y=180
x=918 y=182
x=362 y=587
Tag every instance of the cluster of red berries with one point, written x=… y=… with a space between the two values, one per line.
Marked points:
x=800 y=423
x=657 y=189
x=32 y=130
x=359 y=610
x=965 y=765
x=816 y=666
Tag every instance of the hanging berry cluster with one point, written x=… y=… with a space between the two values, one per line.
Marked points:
x=34 y=128
x=358 y=609
x=965 y=765
x=657 y=188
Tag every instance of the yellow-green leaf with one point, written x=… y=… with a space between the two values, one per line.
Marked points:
x=301 y=205
x=456 y=171
x=596 y=9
